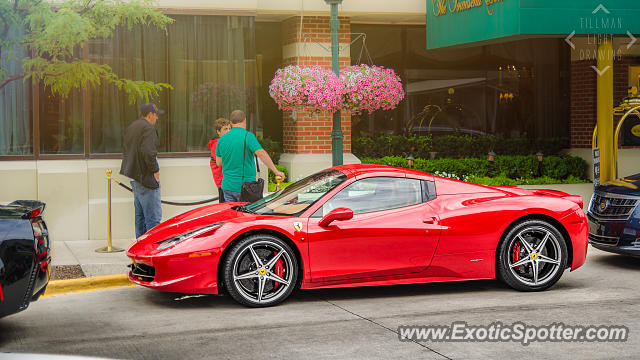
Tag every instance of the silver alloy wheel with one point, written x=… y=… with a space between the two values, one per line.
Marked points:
x=539 y=256
x=254 y=272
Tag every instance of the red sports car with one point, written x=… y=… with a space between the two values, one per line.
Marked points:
x=363 y=225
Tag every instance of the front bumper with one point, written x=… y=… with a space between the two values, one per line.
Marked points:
x=622 y=250
x=194 y=273
x=619 y=237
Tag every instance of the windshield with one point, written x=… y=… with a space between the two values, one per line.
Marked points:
x=297 y=197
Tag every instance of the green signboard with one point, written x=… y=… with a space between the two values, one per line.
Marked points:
x=476 y=22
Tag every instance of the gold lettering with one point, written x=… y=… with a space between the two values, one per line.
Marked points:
x=490 y=4
x=442 y=7
x=452 y=9
x=439 y=7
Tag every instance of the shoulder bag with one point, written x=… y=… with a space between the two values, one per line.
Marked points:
x=252 y=190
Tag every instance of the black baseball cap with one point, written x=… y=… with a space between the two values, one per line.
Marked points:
x=150 y=108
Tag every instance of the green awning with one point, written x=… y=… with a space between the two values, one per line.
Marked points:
x=479 y=22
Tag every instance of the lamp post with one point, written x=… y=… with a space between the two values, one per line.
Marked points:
x=491 y=156
x=410 y=160
x=540 y=157
x=336 y=134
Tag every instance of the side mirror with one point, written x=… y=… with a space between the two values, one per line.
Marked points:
x=338 y=214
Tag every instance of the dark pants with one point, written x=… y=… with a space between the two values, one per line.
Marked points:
x=220 y=195
x=148 y=207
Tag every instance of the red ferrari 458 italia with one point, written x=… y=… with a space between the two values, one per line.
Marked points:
x=363 y=225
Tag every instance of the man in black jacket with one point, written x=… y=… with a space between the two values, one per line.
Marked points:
x=140 y=163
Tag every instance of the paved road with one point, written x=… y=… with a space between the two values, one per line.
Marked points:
x=359 y=323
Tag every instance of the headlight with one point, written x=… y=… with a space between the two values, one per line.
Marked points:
x=180 y=238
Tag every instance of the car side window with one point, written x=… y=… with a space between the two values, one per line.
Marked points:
x=428 y=190
x=376 y=194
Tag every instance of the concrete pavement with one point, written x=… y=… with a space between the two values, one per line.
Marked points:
x=83 y=253
x=354 y=323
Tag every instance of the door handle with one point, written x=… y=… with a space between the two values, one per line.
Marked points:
x=430 y=220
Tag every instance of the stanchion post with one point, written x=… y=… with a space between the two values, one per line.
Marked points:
x=278 y=180
x=109 y=248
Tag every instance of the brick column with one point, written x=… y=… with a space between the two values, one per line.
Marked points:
x=583 y=103
x=307 y=138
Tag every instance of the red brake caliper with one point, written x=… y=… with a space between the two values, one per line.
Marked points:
x=516 y=254
x=278 y=269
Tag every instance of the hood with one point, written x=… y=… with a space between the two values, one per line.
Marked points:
x=629 y=185
x=195 y=219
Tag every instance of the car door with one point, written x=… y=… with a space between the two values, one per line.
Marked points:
x=393 y=231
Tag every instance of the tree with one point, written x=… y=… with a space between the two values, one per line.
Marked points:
x=53 y=32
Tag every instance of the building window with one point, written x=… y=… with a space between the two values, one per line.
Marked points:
x=15 y=107
x=61 y=123
x=209 y=61
x=509 y=89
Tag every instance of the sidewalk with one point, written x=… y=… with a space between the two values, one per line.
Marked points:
x=82 y=253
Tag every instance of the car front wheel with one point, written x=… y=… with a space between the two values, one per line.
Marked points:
x=260 y=271
x=532 y=256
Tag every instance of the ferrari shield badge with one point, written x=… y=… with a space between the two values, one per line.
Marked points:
x=297 y=226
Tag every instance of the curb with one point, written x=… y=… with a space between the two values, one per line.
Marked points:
x=60 y=287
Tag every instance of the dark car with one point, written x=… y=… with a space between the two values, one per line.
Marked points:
x=614 y=216
x=24 y=255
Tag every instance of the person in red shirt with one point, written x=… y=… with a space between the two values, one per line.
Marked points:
x=222 y=125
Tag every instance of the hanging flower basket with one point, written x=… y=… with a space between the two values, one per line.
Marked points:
x=311 y=89
x=370 y=88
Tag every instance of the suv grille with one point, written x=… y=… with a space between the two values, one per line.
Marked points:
x=603 y=240
x=609 y=206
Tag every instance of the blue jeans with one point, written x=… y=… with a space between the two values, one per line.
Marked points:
x=231 y=196
x=148 y=207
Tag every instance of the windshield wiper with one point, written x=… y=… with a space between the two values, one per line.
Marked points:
x=243 y=208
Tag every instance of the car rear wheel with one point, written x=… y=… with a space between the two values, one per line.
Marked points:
x=532 y=256
x=260 y=271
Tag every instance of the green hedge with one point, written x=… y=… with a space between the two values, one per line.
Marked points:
x=518 y=169
x=452 y=146
x=392 y=145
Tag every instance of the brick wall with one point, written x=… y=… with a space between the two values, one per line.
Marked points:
x=304 y=134
x=584 y=96
x=583 y=103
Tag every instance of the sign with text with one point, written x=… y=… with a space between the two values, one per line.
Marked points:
x=480 y=22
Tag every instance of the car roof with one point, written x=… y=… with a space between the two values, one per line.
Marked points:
x=363 y=170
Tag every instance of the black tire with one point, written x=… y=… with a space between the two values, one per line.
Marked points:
x=241 y=262
x=516 y=260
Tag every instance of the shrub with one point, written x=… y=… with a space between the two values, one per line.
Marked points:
x=392 y=145
x=272 y=186
x=452 y=146
x=520 y=169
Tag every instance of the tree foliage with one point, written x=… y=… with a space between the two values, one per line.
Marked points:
x=54 y=32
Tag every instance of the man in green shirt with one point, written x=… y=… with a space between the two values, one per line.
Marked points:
x=236 y=160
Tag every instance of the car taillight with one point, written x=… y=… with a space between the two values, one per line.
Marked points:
x=41 y=246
